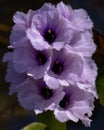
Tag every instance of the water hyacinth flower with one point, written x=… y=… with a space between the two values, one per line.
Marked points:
x=13 y=77
x=35 y=94
x=88 y=77
x=65 y=66
x=34 y=62
x=79 y=20
x=51 y=66
x=22 y=22
x=76 y=104
x=47 y=32
x=83 y=43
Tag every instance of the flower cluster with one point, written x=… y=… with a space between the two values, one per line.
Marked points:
x=50 y=65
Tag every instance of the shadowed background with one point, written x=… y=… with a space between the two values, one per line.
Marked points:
x=12 y=116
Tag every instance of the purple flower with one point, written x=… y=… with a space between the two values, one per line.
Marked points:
x=35 y=94
x=82 y=41
x=88 y=77
x=76 y=105
x=13 y=77
x=22 y=22
x=31 y=61
x=65 y=66
x=78 y=18
x=45 y=33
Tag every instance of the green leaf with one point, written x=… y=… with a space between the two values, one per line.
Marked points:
x=49 y=119
x=35 y=126
x=100 y=89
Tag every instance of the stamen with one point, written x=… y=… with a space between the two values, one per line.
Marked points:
x=57 y=67
x=49 y=36
x=46 y=92
x=64 y=102
x=49 y=31
x=41 y=58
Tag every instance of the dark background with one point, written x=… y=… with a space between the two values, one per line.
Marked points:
x=12 y=116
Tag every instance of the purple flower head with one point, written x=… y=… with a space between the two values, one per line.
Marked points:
x=76 y=104
x=65 y=66
x=50 y=66
x=35 y=94
x=31 y=61
x=49 y=29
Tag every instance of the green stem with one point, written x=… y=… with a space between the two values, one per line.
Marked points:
x=49 y=119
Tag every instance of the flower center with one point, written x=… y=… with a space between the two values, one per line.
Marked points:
x=46 y=92
x=49 y=36
x=41 y=58
x=57 y=67
x=64 y=102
